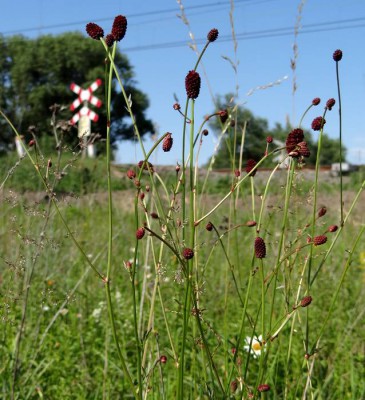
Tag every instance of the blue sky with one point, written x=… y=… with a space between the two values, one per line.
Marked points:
x=157 y=44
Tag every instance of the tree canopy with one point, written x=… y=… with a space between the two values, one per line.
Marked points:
x=37 y=73
x=257 y=130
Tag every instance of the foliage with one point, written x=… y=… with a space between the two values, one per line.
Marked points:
x=257 y=130
x=37 y=73
x=79 y=176
x=206 y=295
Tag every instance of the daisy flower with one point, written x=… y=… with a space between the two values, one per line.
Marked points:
x=255 y=347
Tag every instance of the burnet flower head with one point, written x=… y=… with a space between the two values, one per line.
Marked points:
x=256 y=347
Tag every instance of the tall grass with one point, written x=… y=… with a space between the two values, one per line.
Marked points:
x=250 y=293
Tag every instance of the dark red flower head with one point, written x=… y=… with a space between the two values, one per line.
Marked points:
x=192 y=84
x=176 y=106
x=212 y=35
x=131 y=174
x=146 y=165
x=205 y=132
x=303 y=149
x=163 y=359
x=94 y=31
x=251 y=223
x=263 y=388
x=250 y=166
x=167 y=142
x=306 y=301
x=188 y=253
x=322 y=211
x=316 y=101
x=140 y=233
x=317 y=123
x=209 y=227
x=294 y=137
x=337 y=55
x=269 y=139
x=233 y=385
x=223 y=115
x=330 y=103
x=260 y=248
x=109 y=40
x=318 y=240
x=332 y=228
x=119 y=27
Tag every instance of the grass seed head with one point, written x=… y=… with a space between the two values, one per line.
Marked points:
x=260 y=248
x=94 y=31
x=192 y=84
x=119 y=27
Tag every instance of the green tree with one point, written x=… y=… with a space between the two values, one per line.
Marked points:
x=37 y=73
x=257 y=130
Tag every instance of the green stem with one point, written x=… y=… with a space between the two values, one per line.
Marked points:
x=348 y=263
x=310 y=257
x=110 y=246
x=234 y=188
x=340 y=128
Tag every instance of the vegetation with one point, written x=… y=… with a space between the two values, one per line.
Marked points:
x=170 y=290
x=256 y=130
x=37 y=73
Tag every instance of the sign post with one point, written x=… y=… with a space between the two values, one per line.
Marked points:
x=85 y=115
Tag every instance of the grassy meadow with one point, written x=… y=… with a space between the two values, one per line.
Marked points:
x=181 y=282
x=67 y=350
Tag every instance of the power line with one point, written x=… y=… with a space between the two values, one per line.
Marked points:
x=131 y=16
x=277 y=32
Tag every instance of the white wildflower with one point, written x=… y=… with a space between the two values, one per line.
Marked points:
x=256 y=346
